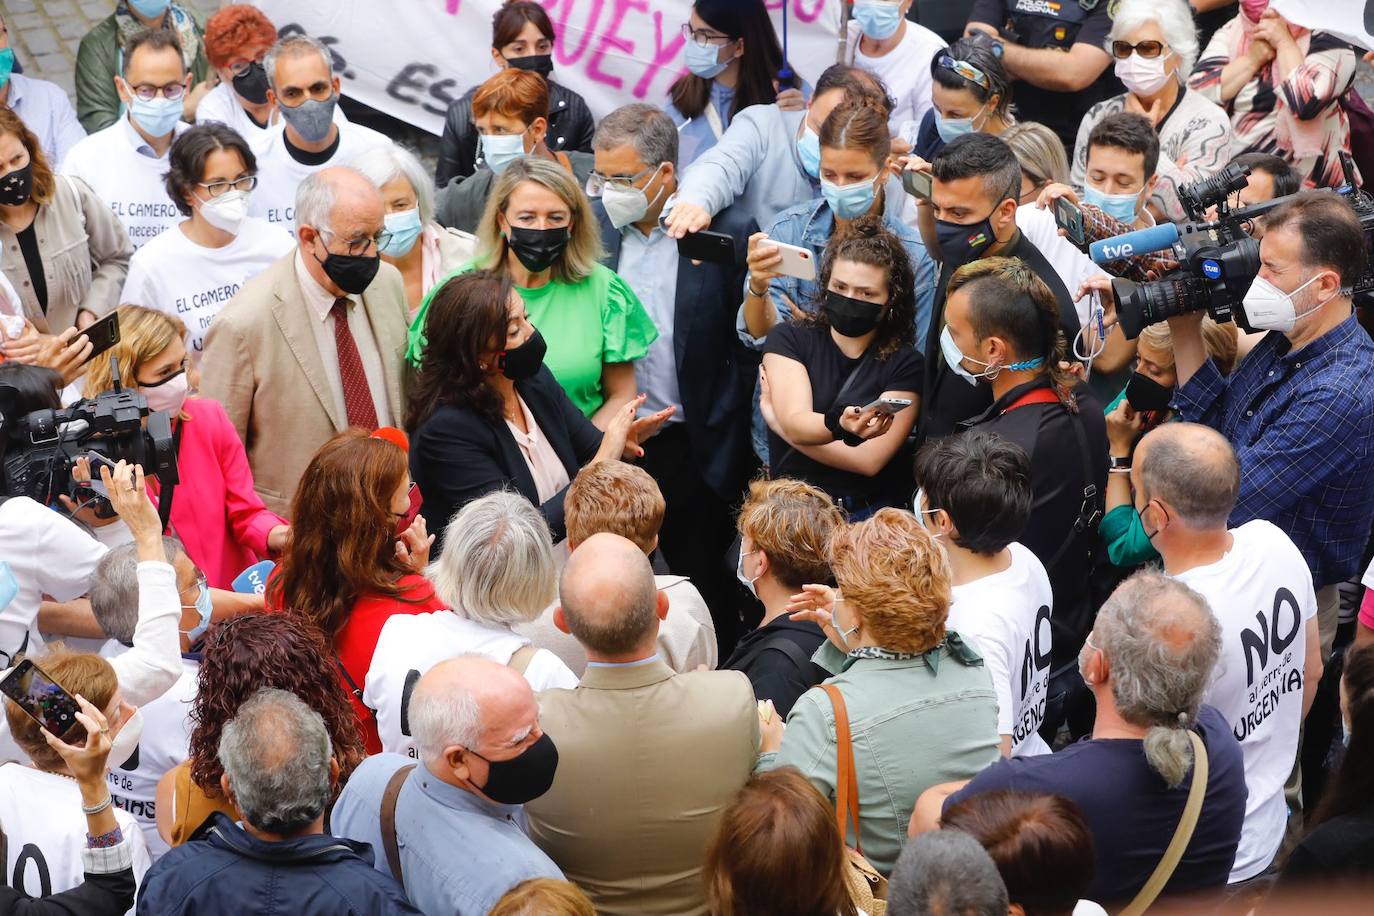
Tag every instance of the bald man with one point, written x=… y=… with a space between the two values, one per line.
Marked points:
x=313 y=345
x=648 y=759
x=1186 y=479
x=482 y=755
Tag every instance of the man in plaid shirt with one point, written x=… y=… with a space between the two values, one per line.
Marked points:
x=1299 y=409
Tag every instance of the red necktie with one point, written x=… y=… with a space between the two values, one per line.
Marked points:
x=357 y=397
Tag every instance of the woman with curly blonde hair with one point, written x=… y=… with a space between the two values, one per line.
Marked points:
x=918 y=701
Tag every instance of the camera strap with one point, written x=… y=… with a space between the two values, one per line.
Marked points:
x=165 y=494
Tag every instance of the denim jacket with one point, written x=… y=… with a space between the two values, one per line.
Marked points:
x=914 y=723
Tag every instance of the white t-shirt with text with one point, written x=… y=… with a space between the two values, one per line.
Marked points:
x=124 y=172
x=1261 y=594
x=411 y=644
x=905 y=72
x=175 y=275
x=1006 y=617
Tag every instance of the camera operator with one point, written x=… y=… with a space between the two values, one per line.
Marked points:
x=974 y=194
x=1299 y=408
x=1003 y=329
x=47 y=553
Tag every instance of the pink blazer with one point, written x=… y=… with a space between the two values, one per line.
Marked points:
x=215 y=510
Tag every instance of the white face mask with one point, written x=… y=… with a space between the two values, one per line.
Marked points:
x=226 y=212
x=126 y=742
x=629 y=204
x=1269 y=308
x=1143 y=76
x=170 y=395
x=747 y=582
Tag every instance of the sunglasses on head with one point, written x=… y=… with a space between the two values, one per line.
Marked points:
x=964 y=69
x=1146 y=49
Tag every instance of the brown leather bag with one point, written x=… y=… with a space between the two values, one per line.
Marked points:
x=867 y=886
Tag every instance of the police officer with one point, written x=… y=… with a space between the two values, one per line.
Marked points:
x=1056 y=49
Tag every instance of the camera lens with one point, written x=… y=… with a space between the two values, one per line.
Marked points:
x=1142 y=304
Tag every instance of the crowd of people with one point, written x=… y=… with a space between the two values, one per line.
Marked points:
x=792 y=497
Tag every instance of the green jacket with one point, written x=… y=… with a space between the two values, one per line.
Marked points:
x=97 y=64
x=913 y=725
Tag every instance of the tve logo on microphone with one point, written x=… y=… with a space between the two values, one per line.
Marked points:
x=253 y=580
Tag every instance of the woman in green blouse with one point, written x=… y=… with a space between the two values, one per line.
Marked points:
x=538 y=228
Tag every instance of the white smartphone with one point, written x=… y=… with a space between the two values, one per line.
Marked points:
x=796 y=261
x=889 y=405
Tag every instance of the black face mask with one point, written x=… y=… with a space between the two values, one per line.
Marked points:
x=17 y=186
x=523 y=361
x=960 y=244
x=521 y=779
x=538 y=249
x=350 y=273
x=534 y=63
x=851 y=317
x=1144 y=393
x=252 y=84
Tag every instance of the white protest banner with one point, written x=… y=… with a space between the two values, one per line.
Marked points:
x=411 y=58
x=1351 y=20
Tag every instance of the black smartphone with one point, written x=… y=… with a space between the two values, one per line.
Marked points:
x=917 y=184
x=103 y=334
x=1069 y=217
x=717 y=247
x=41 y=697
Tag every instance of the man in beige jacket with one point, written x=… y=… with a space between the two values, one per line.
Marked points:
x=313 y=345
x=647 y=759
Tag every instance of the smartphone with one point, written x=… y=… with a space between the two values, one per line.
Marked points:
x=41 y=697
x=1069 y=217
x=796 y=261
x=917 y=184
x=103 y=334
x=716 y=247
x=889 y=405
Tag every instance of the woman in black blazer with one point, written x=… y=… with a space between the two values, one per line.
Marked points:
x=486 y=413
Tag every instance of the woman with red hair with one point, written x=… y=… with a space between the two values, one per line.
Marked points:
x=237 y=38
x=357 y=552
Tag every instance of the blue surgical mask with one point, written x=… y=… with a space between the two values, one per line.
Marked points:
x=849 y=201
x=878 y=19
x=149 y=9
x=1121 y=207
x=405 y=227
x=157 y=116
x=954 y=358
x=6 y=66
x=500 y=150
x=918 y=507
x=9 y=586
x=704 y=60
x=950 y=128
x=205 y=608
x=809 y=149
x=743 y=579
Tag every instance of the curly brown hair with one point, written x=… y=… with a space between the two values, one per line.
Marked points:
x=342 y=532
x=867 y=241
x=247 y=653
x=892 y=572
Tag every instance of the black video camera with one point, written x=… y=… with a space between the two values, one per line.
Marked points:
x=1219 y=259
x=40 y=449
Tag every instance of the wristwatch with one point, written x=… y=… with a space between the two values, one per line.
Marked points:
x=1118 y=464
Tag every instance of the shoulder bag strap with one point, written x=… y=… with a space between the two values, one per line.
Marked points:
x=353 y=687
x=782 y=644
x=165 y=494
x=846 y=779
x=388 y=817
x=844 y=389
x=521 y=658
x=1183 y=834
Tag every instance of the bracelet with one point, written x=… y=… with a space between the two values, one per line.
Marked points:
x=832 y=423
x=105 y=840
x=749 y=284
x=92 y=810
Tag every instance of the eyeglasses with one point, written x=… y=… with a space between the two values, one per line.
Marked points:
x=216 y=188
x=202 y=585
x=1146 y=49
x=704 y=37
x=596 y=182
x=964 y=69
x=359 y=247
x=171 y=92
x=243 y=66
